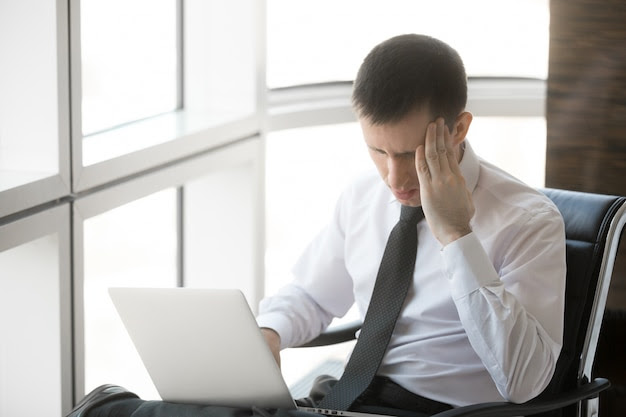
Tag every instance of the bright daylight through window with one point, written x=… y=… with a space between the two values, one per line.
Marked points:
x=131 y=70
x=129 y=61
x=325 y=41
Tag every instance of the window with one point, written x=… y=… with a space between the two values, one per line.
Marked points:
x=35 y=355
x=306 y=171
x=220 y=242
x=326 y=40
x=30 y=292
x=184 y=167
x=307 y=168
x=506 y=96
x=194 y=223
x=29 y=102
x=133 y=245
x=140 y=102
x=129 y=58
x=515 y=144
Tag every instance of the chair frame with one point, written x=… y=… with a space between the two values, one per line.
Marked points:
x=586 y=394
x=618 y=221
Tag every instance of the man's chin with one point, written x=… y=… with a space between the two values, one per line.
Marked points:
x=412 y=202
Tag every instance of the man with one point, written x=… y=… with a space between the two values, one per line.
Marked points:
x=482 y=318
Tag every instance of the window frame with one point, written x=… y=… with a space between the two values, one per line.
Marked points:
x=52 y=188
x=329 y=103
x=192 y=130
x=200 y=145
x=93 y=203
x=28 y=228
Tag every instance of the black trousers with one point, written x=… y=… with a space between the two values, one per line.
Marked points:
x=382 y=397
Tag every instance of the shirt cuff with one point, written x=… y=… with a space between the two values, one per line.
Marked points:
x=280 y=324
x=467 y=266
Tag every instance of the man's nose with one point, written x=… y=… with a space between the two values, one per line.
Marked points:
x=399 y=171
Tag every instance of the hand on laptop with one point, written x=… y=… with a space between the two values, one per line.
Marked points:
x=273 y=341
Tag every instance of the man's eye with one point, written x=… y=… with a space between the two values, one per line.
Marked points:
x=378 y=151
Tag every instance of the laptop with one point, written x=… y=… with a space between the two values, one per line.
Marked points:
x=203 y=346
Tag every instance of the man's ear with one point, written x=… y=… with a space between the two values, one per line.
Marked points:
x=461 y=126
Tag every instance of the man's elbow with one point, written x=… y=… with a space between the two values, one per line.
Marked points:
x=529 y=386
x=526 y=392
x=522 y=396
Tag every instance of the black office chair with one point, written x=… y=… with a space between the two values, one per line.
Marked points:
x=593 y=226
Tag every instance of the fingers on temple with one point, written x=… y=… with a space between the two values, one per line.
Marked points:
x=430 y=148
x=421 y=164
x=444 y=150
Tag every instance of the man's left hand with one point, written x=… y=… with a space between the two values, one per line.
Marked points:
x=446 y=202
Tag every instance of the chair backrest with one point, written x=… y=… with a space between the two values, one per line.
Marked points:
x=593 y=225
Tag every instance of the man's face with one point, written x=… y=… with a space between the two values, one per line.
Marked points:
x=392 y=147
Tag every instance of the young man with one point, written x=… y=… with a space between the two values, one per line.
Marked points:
x=482 y=318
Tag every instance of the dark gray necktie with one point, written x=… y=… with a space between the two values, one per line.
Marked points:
x=395 y=275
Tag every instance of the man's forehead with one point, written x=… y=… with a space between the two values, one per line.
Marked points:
x=419 y=112
x=399 y=134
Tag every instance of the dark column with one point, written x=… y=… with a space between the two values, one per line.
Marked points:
x=586 y=142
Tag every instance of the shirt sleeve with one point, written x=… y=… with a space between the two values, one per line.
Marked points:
x=513 y=316
x=294 y=315
x=321 y=289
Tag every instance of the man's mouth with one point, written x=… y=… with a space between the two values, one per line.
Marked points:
x=404 y=195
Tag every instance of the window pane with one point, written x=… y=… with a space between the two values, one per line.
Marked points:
x=307 y=168
x=129 y=61
x=29 y=126
x=326 y=40
x=219 y=248
x=515 y=144
x=30 y=345
x=131 y=246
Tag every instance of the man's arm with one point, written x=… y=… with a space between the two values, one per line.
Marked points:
x=321 y=288
x=273 y=341
x=294 y=315
x=517 y=330
x=513 y=317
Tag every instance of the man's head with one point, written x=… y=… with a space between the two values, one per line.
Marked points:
x=408 y=72
x=403 y=85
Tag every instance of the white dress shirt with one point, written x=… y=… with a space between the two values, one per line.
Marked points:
x=483 y=320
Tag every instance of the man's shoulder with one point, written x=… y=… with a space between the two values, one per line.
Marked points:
x=501 y=191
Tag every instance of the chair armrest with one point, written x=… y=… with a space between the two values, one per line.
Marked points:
x=505 y=409
x=335 y=334
x=345 y=332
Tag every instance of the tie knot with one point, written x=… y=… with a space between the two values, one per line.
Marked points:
x=411 y=214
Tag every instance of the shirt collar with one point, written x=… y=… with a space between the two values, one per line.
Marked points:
x=469 y=165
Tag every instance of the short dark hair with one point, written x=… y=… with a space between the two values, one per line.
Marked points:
x=406 y=72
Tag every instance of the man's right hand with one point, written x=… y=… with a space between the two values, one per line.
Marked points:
x=273 y=341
